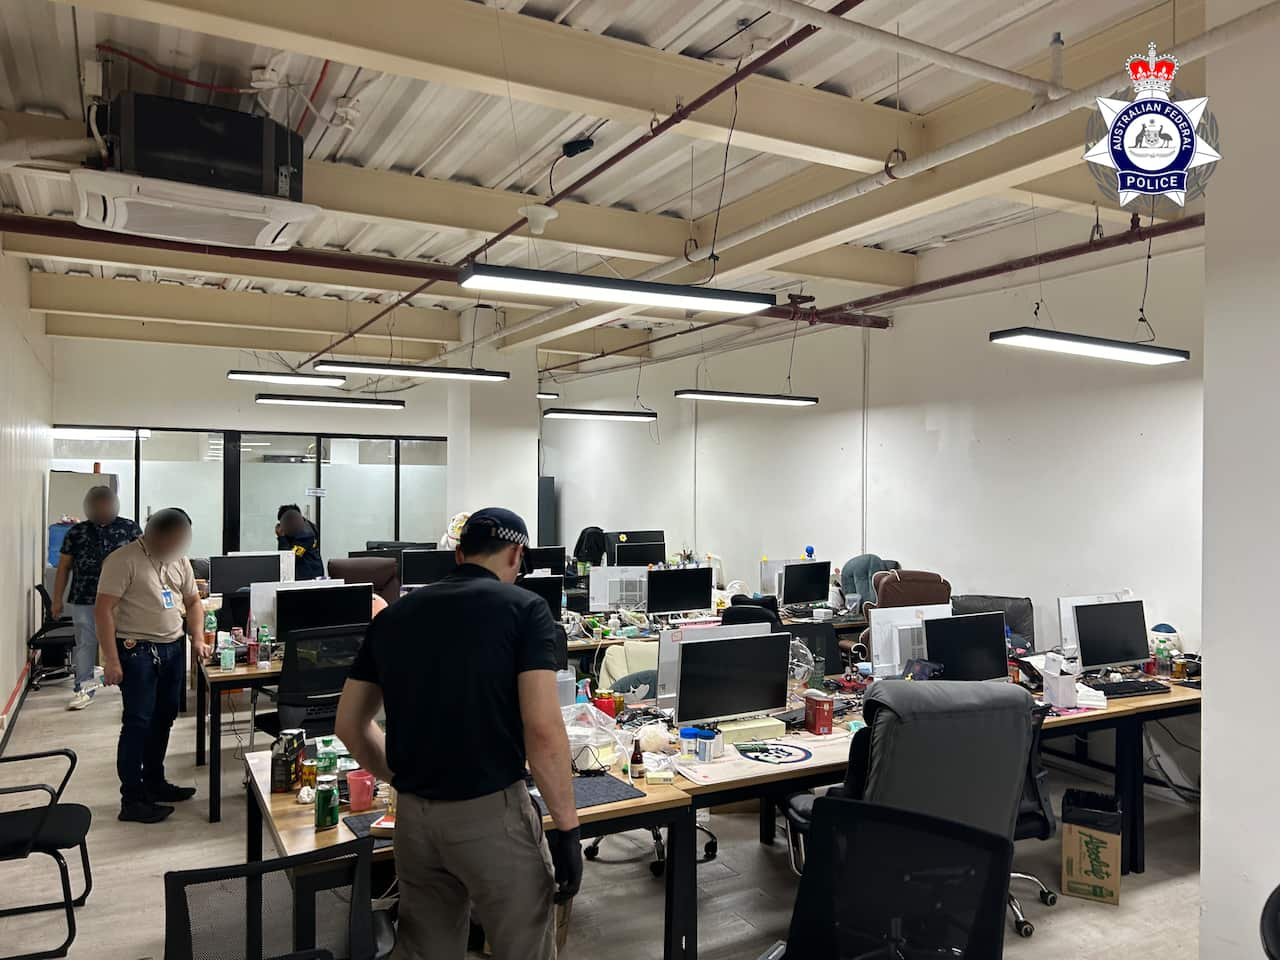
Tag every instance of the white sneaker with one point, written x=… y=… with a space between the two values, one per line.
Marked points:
x=82 y=699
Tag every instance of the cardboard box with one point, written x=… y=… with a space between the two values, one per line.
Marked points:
x=1091 y=846
x=818 y=713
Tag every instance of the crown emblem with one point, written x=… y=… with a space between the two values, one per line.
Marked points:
x=1152 y=73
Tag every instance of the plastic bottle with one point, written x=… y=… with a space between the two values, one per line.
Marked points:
x=1164 y=662
x=211 y=628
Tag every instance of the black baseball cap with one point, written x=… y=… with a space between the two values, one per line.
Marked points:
x=495 y=523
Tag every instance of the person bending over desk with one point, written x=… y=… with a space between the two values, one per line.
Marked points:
x=462 y=720
x=296 y=533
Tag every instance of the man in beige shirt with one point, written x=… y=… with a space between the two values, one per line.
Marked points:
x=143 y=592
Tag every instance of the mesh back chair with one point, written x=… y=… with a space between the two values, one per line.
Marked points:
x=315 y=666
x=312 y=906
x=1036 y=821
x=889 y=883
x=51 y=645
x=48 y=829
x=740 y=613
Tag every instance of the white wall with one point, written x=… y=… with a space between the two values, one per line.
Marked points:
x=25 y=449
x=1007 y=471
x=1240 y=845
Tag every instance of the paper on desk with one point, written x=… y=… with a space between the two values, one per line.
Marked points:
x=833 y=748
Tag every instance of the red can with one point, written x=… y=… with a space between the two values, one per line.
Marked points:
x=606 y=705
x=818 y=713
x=252 y=646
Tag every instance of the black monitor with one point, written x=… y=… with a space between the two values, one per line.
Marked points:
x=426 y=566
x=229 y=574
x=615 y=537
x=821 y=640
x=679 y=590
x=550 y=589
x=640 y=554
x=1112 y=634
x=307 y=608
x=317 y=661
x=389 y=553
x=806 y=582
x=732 y=677
x=969 y=647
x=545 y=558
x=398 y=545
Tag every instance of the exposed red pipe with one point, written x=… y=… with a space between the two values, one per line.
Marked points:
x=169 y=74
x=324 y=71
x=681 y=113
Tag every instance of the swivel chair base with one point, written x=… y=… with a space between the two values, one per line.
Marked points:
x=1021 y=924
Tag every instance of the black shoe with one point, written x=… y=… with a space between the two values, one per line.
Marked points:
x=142 y=811
x=168 y=792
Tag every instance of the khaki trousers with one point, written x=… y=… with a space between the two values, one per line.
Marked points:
x=489 y=851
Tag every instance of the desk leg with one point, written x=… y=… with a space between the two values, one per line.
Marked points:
x=680 y=937
x=768 y=821
x=253 y=828
x=186 y=676
x=1130 y=784
x=215 y=755
x=201 y=707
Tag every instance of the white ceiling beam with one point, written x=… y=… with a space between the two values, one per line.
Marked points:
x=475 y=47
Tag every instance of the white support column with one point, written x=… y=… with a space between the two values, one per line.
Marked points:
x=1240 y=841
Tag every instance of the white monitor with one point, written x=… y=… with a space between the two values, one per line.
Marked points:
x=1067 y=615
x=732 y=678
x=669 y=653
x=886 y=637
x=618 y=588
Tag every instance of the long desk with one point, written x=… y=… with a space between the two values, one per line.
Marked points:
x=211 y=683
x=292 y=828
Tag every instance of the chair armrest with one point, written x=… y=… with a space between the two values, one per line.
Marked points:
x=776 y=952
x=838 y=791
x=31 y=788
x=44 y=754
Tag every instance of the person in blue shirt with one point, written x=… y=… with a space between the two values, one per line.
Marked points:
x=84 y=548
x=296 y=533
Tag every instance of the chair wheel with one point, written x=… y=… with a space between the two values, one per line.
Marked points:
x=1048 y=898
x=591 y=852
x=711 y=849
x=1025 y=929
x=658 y=868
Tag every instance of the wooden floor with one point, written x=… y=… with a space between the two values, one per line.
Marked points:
x=745 y=896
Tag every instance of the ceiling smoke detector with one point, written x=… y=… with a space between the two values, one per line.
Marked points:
x=538 y=215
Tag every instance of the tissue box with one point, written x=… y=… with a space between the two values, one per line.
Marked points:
x=1060 y=691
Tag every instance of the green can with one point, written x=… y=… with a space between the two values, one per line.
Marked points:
x=264 y=633
x=326 y=802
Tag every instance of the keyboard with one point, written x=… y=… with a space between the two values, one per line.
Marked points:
x=1128 y=688
x=798 y=611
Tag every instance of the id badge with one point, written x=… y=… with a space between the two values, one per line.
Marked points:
x=166 y=598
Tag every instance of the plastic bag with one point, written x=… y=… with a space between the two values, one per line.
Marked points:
x=595 y=742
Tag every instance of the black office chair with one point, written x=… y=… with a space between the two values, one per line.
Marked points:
x=739 y=613
x=889 y=883
x=1036 y=819
x=49 y=830
x=1271 y=925
x=315 y=666
x=312 y=906
x=51 y=645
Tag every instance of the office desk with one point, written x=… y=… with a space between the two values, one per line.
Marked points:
x=211 y=683
x=591 y=646
x=292 y=828
x=1127 y=717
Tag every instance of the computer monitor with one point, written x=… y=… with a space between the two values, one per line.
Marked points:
x=399 y=545
x=544 y=558
x=641 y=554
x=968 y=647
x=615 y=537
x=322 y=607
x=732 y=677
x=679 y=590
x=389 y=553
x=426 y=566
x=669 y=652
x=822 y=641
x=808 y=582
x=1067 y=616
x=1112 y=634
x=229 y=574
x=550 y=589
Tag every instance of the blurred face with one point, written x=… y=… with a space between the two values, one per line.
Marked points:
x=293 y=524
x=171 y=545
x=102 y=509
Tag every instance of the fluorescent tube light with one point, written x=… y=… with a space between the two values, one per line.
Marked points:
x=285 y=399
x=283 y=377
x=546 y=395
x=734 y=396
x=571 y=413
x=373 y=368
x=1082 y=346
x=98 y=433
x=573 y=286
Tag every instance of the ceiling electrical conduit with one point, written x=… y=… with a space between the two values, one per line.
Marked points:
x=1208 y=42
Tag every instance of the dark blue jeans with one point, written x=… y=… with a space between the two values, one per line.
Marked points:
x=151 y=691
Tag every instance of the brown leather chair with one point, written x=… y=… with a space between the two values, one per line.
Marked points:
x=382 y=572
x=901 y=588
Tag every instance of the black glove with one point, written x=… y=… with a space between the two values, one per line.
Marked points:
x=566 y=856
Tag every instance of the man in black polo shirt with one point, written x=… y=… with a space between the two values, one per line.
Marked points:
x=465 y=669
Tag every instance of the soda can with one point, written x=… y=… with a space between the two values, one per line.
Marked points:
x=264 y=633
x=309 y=773
x=252 y=647
x=326 y=802
x=228 y=656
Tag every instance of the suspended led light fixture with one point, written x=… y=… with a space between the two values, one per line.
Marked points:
x=373 y=368
x=735 y=396
x=284 y=377
x=99 y=433
x=546 y=395
x=572 y=413
x=574 y=286
x=359 y=403
x=1083 y=346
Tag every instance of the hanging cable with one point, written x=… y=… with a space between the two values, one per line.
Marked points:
x=1146 y=281
x=795 y=330
x=712 y=258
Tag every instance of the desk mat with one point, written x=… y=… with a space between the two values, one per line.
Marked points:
x=359 y=824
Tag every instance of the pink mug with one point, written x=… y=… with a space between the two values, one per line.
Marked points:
x=361 y=784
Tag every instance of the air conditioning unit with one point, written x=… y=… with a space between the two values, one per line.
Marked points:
x=195 y=173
